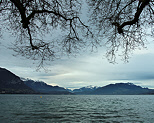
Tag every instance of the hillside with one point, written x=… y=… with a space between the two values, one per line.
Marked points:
x=122 y=89
x=85 y=90
x=12 y=84
x=114 y=89
x=42 y=87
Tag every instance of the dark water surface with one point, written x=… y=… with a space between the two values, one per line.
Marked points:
x=77 y=108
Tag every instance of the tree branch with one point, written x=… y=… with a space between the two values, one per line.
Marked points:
x=136 y=17
x=137 y=14
x=30 y=38
x=45 y=11
x=21 y=9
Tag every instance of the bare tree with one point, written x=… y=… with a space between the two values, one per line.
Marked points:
x=121 y=23
x=32 y=20
x=124 y=23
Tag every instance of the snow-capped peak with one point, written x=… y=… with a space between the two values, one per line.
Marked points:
x=91 y=87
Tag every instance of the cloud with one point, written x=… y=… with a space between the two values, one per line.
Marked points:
x=85 y=69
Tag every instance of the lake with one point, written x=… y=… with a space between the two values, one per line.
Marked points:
x=76 y=108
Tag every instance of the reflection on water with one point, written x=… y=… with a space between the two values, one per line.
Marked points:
x=76 y=108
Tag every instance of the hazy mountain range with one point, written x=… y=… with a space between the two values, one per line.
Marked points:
x=42 y=87
x=12 y=84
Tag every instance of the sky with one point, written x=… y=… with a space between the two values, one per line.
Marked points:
x=89 y=68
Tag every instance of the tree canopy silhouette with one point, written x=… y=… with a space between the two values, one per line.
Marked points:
x=124 y=23
x=46 y=29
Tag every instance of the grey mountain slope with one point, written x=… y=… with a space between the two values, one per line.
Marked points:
x=122 y=89
x=10 y=83
x=114 y=89
x=42 y=87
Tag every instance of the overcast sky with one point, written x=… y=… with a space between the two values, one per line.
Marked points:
x=86 y=69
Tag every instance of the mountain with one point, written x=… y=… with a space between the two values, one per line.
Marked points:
x=85 y=90
x=114 y=89
x=12 y=84
x=122 y=89
x=42 y=87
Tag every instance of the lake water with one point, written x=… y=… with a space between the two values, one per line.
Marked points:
x=77 y=108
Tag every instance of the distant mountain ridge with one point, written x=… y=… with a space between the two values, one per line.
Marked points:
x=42 y=87
x=85 y=90
x=12 y=84
x=116 y=89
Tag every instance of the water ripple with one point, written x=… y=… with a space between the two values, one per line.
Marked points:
x=76 y=109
